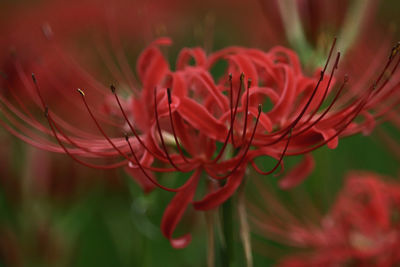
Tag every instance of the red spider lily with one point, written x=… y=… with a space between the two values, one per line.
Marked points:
x=182 y=116
x=297 y=102
x=362 y=228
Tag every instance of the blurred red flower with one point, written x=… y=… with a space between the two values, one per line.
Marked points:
x=362 y=227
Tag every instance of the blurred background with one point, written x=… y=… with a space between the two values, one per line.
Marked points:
x=54 y=212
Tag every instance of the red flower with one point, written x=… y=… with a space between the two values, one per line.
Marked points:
x=361 y=228
x=181 y=117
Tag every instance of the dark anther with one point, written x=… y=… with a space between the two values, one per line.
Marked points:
x=34 y=77
x=81 y=92
x=321 y=77
x=394 y=51
x=112 y=87
x=249 y=83
x=169 y=96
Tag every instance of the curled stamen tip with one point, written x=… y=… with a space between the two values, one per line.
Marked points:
x=259 y=108
x=242 y=76
x=33 y=77
x=126 y=136
x=112 y=87
x=169 y=96
x=230 y=76
x=80 y=91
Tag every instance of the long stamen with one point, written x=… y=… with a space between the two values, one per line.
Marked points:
x=53 y=125
x=103 y=153
x=74 y=143
x=326 y=110
x=46 y=108
x=293 y=124
x=172 y=126
x=230 y=132
x=330 y=54
x=90 y=165
x=25 y=110
x=244 y=153
x=231 y=102
x=335 y=66
x=279 y=161
x=38 y=90
x=373 y=90
x=246 y=110
x=237 y=103
x=356 y=112
x=113 y=90
x=101 y=129
x=386 y=95
x=56 y=85
x=394 y=52
x=144 y=171
x=161 y=135
x=319 y=81
x=25 y=115
x=98 y=125
x=41 y=99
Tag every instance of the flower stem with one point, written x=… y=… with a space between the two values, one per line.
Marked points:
x=244 y=225
x=227 y=234
x=210 y=239
x=294 y=28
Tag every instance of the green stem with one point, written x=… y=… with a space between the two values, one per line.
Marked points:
x=294 y=28
x=352 y=24
x=244 y=225
x=210 y=238
x=227 y=234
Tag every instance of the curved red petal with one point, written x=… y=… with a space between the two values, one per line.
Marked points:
x=216 y=198
x=176 y=209
x=326 y=134
x=198 y=54
x=200 y=118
